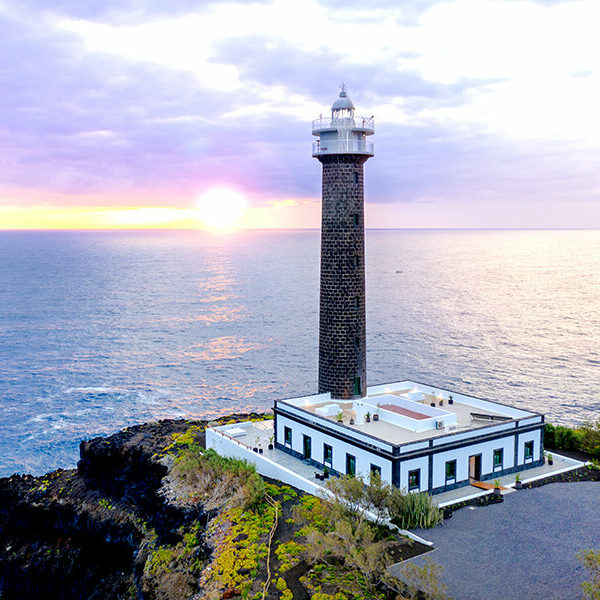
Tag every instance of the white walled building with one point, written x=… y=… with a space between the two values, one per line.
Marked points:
x=417 y=437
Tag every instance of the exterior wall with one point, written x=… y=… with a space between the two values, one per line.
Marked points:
x=432 y=463
x=405 y=466
x=461 y=455
x=364 y=458
x=342 y=324
x=537 y=438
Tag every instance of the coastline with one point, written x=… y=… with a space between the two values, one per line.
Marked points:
x=118 y=526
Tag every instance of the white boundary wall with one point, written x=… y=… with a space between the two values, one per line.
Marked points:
x=226 y=446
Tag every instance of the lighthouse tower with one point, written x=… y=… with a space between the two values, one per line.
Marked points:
x=342 y=148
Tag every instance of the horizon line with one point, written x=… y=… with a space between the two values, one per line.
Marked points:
x=238 y=231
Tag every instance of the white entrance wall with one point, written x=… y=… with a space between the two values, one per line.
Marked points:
x=461 y=455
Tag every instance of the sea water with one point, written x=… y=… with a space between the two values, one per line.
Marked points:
x=100 y=330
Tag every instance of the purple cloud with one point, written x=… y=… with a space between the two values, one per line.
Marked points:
x=79 y=123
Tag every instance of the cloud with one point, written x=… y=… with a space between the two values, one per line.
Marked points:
x=271 y=62
x=76 y=122
x=117 y=11
x=118 y=101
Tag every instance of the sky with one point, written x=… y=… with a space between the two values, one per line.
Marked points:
x=187 y=113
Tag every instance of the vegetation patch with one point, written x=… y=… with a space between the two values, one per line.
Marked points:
x=239 y=540
x=591 y=561
x=347 y=555
x=585 y=439
x=217 y=481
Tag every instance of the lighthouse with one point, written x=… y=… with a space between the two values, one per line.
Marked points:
x=342 y=148
x=405 y=432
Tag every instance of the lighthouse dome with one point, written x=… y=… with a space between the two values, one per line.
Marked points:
x=343 y=102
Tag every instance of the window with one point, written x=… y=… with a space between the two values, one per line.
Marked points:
x=356 y=302
x=350 y=465
x=356 y=261
x=498 y=454
x=357 y=342
x=357 y=386
x=327 y=454
x=414 y=480
x=528 y=451
x=355 y=177
x=287 y=436
x=355 y=219
x=450 y=471
x=375 y=470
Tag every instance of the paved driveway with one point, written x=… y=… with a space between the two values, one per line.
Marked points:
x=523 y=548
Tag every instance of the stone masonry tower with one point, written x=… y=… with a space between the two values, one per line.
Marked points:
x=342 y=148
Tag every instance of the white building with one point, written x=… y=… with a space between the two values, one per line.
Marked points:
x=417 y=437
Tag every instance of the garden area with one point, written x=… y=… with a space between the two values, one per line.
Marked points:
x=270 y=541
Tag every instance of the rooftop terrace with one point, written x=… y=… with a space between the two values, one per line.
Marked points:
x=408 y=412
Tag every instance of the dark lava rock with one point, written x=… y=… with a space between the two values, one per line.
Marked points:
x=86 y=534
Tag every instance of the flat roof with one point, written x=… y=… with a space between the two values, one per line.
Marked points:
x=460 y=405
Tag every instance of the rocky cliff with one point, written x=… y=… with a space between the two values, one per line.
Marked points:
x=97 y=531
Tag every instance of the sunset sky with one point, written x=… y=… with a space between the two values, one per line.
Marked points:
x=123 y=113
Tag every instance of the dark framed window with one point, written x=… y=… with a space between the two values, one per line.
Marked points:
x=287 y=436
x=357 y=386
x=354 y=219
x=450 y=471
x=376 y=470
x=356 y=302
x=355 y=177
x=356 y=261
x=414 y=480
x=357 y=342
x=350 y=465
x=498 y=458
x=529 y=450
x=327 y=454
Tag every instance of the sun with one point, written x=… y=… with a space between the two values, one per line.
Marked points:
x=220 y=208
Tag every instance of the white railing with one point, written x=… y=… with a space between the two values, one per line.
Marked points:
x=343 y=147
x=366 y=123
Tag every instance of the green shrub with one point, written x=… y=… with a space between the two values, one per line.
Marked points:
x=222 y=479
x=590 y=438
x=421 y=581
x=549 y=436
x=567 y=439
x=562 y=438
x=413 y=510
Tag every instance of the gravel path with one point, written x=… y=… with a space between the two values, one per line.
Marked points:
x=523 y=548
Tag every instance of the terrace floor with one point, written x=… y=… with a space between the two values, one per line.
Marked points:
x=468 y=492
x=258 y=434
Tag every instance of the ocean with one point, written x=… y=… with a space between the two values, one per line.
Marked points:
x=101 y=330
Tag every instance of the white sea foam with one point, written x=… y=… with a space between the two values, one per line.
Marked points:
x=92 y=390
